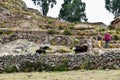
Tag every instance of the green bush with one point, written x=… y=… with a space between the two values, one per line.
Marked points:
x=102 y=29
x=96 y=52
x=72 y=27
x=71 y=46
x=61 y=27
x=51 y=31
x=117 y=31
x=86 y=64
x=67 y=32
x=1 y=32
x=11 y=69
x=80 y=33
x=111 y=27
x=63 y=51
x=52 y=42
x=7 y=32
x=3 y=24
x=116 y=37
x=64 y=67
x=50 y=21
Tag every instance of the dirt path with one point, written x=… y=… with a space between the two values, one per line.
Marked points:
x=69 y=75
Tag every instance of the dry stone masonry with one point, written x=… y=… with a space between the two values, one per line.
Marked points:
x=35 y=62
x=37 y=37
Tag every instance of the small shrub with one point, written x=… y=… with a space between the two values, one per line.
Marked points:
x=102 y=29
x=67 y=32
x=48 y=26
x=61 y=27
x=111 y=27
x=1 y=32
x=76 y=41
x=51 y=31
x=64 y=43
x=116 y=37
x=112 y=46
x=63 y=51
x=111 y=32
x=50 y=21
x=71 y=46
x=82 y=66
x=96 y=52
x=3 y=24
x=11 y=69
x=86 y=64
x=28 y=69
x=80 y=33
x=73 y=24
x=64 y=65
x=117 y=32
x=53 y=42
x=72 y=27
x=49 y=49
x=60 y=67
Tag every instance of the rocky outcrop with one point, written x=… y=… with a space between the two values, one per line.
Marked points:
x=18 y=47
x=15 y=15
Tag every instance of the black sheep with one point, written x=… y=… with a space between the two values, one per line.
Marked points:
x=85 y=48
x=40 y=51
x=45 y=47
x=79 y=49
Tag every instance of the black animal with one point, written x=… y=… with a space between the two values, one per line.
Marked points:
x=85 y=48
x=45 y=47
x=79 y=49
x=39 y=51
x=42 y=49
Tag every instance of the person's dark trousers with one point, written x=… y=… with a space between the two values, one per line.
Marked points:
x=107 y=44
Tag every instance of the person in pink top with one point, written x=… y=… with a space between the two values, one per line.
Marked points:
x=107 y=38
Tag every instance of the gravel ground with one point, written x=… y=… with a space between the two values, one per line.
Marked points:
x=69 y=75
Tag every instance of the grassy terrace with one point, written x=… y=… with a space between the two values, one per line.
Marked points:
x=69 y=75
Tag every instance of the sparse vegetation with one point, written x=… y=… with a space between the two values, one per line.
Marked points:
x=67 y=32
x=96 y=52
x=61 y=26
x=52 y=31
x=4 y=32
x=11 y=69
x=53 y=26
x=65 y=75
x=64 y=51
x=50 y=21
x=116 y=37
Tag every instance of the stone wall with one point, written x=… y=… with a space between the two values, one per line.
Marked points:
x=35 y=36
x=42 y=62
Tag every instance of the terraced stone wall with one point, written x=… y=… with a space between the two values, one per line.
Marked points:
x=26 y=63
x=35 y=36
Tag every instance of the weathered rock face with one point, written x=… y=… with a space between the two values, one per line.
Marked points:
x=61 y=40
x=37 y=62
x=15 y=15
x=13 y=4
x=18 y=47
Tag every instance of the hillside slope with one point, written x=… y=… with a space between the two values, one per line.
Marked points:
x=15 y=15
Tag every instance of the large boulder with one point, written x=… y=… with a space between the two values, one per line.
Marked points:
x=19 y=47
